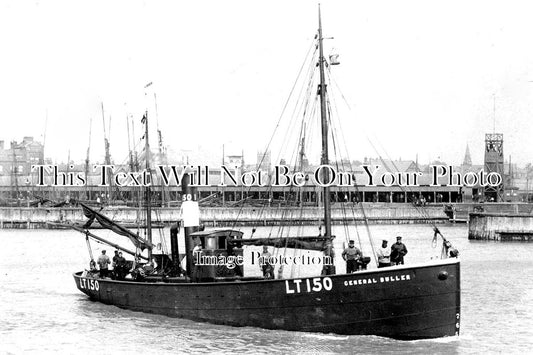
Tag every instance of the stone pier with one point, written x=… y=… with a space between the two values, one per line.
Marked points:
x=501 y=226
x=376 y=213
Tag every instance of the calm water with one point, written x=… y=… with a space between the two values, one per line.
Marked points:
x=42 y=310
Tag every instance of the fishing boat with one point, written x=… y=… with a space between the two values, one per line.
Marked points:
x=403 y=302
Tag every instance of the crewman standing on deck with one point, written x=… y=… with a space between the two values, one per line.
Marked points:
x=103 y=262
x=120 y=267
x=264 y=264
x=114 y=263
x=384 y=254
x=197 y=253
x=92 y=266
x=351 y=255
x=398 y=251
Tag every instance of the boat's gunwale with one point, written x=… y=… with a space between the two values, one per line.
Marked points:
x=432 y=263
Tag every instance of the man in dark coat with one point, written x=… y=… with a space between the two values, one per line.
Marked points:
x=398 y=251
x=114 y=264
x=120 y=267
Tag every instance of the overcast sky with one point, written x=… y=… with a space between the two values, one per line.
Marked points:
x=419 y=76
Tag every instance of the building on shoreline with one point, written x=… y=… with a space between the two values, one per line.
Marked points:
x=211 y=192
x=17 y=181
x=19 y=157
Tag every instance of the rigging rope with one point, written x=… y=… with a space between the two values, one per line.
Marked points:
x=278 y=122
x=422 y=212
x=365 y=218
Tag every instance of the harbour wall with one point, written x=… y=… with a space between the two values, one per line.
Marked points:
x=501 y=226
x=460 y=212
x=377 y=213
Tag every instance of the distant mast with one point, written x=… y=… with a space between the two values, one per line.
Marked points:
x=323 y=116
x=107 y=158
x=148 y=190
x=87 y=194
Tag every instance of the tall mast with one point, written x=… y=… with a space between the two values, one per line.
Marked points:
x=148 y=192
x=44 y=135
x=107 y=159
x=162 y=152
x=87 y=161
x=134 y=150
x=324 y=120
x=302 y=149
x=14 y=172
x=130 y=153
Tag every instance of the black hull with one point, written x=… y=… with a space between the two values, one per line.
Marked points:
x=414 y=302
